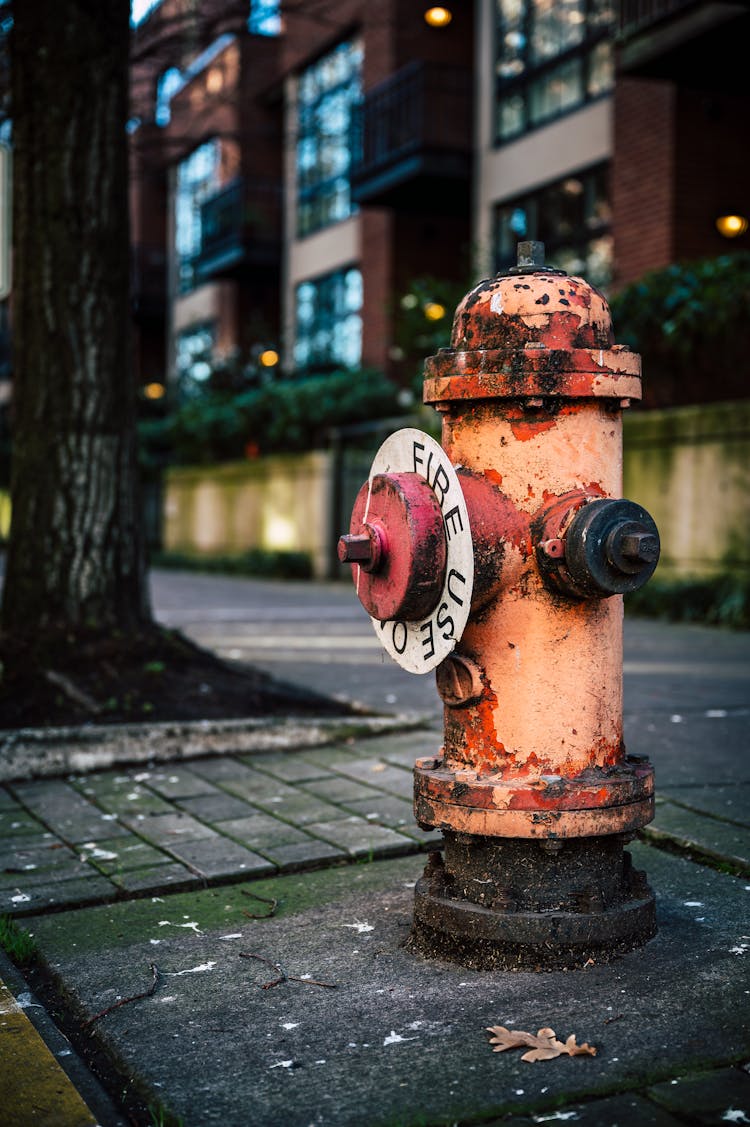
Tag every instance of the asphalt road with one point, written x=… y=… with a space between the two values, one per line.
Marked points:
x=684 y=685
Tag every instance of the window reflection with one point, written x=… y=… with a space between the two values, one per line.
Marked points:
x=329 y=322
x=327 y=93
x=197 y=179
x=571 y=217
x=193 y=354
x=552 y=56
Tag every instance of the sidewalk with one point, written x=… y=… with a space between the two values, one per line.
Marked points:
x=163 y=881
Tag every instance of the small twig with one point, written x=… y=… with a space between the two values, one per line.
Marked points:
x=125 y=1001
x=283 y=976
x=264 y=900
x=73 y=692
x=616 y=1017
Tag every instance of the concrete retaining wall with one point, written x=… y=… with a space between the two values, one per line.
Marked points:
x=281 y=503
x=690 y=467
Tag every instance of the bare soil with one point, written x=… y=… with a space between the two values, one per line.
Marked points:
x=156 y=676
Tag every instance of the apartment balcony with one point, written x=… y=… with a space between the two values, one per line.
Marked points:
x=700 y=41
x=240 y=231
x=413 y=142
x=148 y=281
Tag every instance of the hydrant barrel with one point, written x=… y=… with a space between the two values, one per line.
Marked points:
x=533 y=790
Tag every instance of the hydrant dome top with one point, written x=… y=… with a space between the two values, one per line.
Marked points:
x=511 y=311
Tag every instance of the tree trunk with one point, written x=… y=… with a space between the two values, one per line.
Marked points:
x=75 y=558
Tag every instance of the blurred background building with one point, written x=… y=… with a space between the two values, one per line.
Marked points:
x=314 y=185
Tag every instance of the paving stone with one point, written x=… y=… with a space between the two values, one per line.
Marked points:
x=330 y=757
x=290 y=767
x=17 y=822
x=375 y=773
x=217 y=807
x=709 y=1097
x=398 y=814
x=301 y=809
x=219 y=769
x=263 y=832
x=731 y=803
x=131 y=800
x=168 y=877
x=698 y=831
x=617 y=1111
x=304 y=854
x=7 y=801
x=401 y=749
x=165 y=828
x=219 y=857
x=179 y=782
x=255 y=786
x=386 y=809
x=86 y=890
x=35 y=855
x=361 y=838
x=69 y=869
x=66 y=811
x=120 y=855
x=339 y=788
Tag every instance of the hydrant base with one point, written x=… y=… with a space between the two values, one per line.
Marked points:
x=531 y=905
x=484 y=939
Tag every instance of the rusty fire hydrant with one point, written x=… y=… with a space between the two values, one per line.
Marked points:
x=500 y=559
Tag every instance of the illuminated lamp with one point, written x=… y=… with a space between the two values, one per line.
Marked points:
x=154 y=391
x=434 y=311
x=730 y=226
x=269 y=358
x=438 y=17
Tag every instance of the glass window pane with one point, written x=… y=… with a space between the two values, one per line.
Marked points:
x=556 y=91
x=511 y=115
x=197 y=179
x=601 y=70
x=329 y=323
x=556 y=26
x=327 y=94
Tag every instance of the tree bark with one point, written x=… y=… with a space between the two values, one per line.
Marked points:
x=76 y=558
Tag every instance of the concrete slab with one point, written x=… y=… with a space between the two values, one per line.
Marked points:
x=723 y=842
x=399 y=1039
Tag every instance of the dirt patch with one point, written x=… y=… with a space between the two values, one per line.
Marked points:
x=158 y=675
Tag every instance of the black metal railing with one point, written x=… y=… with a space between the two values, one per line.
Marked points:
x=240 y=225
x=637 y=15
x=422 y=107
x=148 y=279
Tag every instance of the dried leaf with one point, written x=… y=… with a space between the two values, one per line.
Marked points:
x=542 y=1046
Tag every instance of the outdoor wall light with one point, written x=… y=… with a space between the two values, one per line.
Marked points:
x=154 y=391
x=438 y=17
x=434 y=311
x=269 y=358
x=730 y=226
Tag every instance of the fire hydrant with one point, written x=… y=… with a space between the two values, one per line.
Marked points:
x=499 y=559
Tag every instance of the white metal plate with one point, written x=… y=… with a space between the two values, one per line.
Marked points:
x=420 y=646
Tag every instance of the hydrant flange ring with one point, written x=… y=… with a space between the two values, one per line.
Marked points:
x=420 y=646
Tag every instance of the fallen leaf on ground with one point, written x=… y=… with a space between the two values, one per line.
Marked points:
x=543 y=1045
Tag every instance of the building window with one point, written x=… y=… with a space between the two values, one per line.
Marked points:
x=571 y=217
x=552 y=56
x=265 y=17
x=197 y=179
x=193 y=354
x=328 y=91
x=328 y=322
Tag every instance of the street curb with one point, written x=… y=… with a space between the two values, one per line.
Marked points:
x=36 y=753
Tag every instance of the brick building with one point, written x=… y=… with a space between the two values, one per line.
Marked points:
x=297 y=165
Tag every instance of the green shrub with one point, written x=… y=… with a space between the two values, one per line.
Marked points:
x=719 y=601
x=281 y=417
x=260 y=562
x=689 y=322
